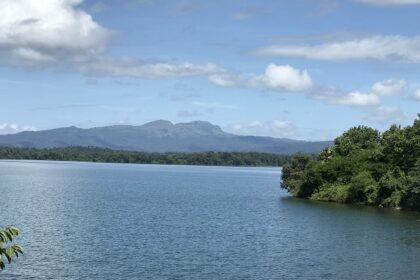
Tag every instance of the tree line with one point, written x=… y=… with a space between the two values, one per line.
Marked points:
x=93 y=154
x=363 y=166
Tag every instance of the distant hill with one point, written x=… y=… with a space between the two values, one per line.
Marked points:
x=159 y=136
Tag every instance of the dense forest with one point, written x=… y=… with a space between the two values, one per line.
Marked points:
x=106 y=155
x=363 y=166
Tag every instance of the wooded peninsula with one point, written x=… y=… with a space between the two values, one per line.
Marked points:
x=363 y=166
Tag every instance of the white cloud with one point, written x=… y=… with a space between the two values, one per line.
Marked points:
x=59 y=32
x=226 y=79
x=127 y=67
x=417 y=95
x=356 y=98
x=275 y=128
x=378 y=47
x=10 y=128
x=42 y=32
x=389 y=87
x=387 y=115
x=284 y=77
x=389 y=2
x=335 y=96
x=338 y=97
x=275 y=77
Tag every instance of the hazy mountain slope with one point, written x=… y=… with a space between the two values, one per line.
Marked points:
x=158 y=136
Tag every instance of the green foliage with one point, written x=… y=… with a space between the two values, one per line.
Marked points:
x=293 y=173
x=355 y=139
x=106 y=155
x=363 y=166
x=336 y=193
x=8 y=252
x=392 y=186
x=359 y=186
x=412 y=199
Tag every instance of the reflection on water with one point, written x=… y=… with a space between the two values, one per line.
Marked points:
x=123 y=221
x=393 y=222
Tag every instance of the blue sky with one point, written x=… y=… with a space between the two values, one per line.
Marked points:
x=305 y=69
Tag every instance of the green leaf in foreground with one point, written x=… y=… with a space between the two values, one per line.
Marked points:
x=8 y=250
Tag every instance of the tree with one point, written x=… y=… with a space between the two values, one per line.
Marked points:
x=412 y=200
x=293 y=174
x=363 y=166
x=357 y=138
x=8 y=235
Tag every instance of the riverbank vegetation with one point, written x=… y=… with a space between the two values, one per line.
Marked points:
x=92 y=154
x=363 y=166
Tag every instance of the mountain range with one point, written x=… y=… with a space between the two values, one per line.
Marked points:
x=159 y=136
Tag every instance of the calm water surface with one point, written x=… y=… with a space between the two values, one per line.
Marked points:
x=116 y=221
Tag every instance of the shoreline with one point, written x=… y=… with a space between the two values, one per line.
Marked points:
x=133 y=163
x=359 y=204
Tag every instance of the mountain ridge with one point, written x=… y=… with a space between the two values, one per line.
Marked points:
x=159 y=136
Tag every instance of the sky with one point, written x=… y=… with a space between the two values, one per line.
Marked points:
x=303 y=69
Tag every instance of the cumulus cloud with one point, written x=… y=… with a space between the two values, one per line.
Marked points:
x=59 y=32
x=389 y=87
x=378 y=47
x=387 y=115
x=356 y=98
x=274 y=128
x=370 y=98
x=389 y=2
x=275 y=77
x=338 y=97
x=11 y=128
x=49 y=31
x=284 y=77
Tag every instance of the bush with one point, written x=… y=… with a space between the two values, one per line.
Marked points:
x=359 y=185
x=334 y=193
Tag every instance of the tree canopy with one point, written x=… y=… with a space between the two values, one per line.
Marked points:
x=363 y=166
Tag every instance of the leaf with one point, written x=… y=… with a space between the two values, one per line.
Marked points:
x=1 y=263
x=3 y=236
x=14 y=231
x=9 y=254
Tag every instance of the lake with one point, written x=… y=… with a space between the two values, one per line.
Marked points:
x=123 y=221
